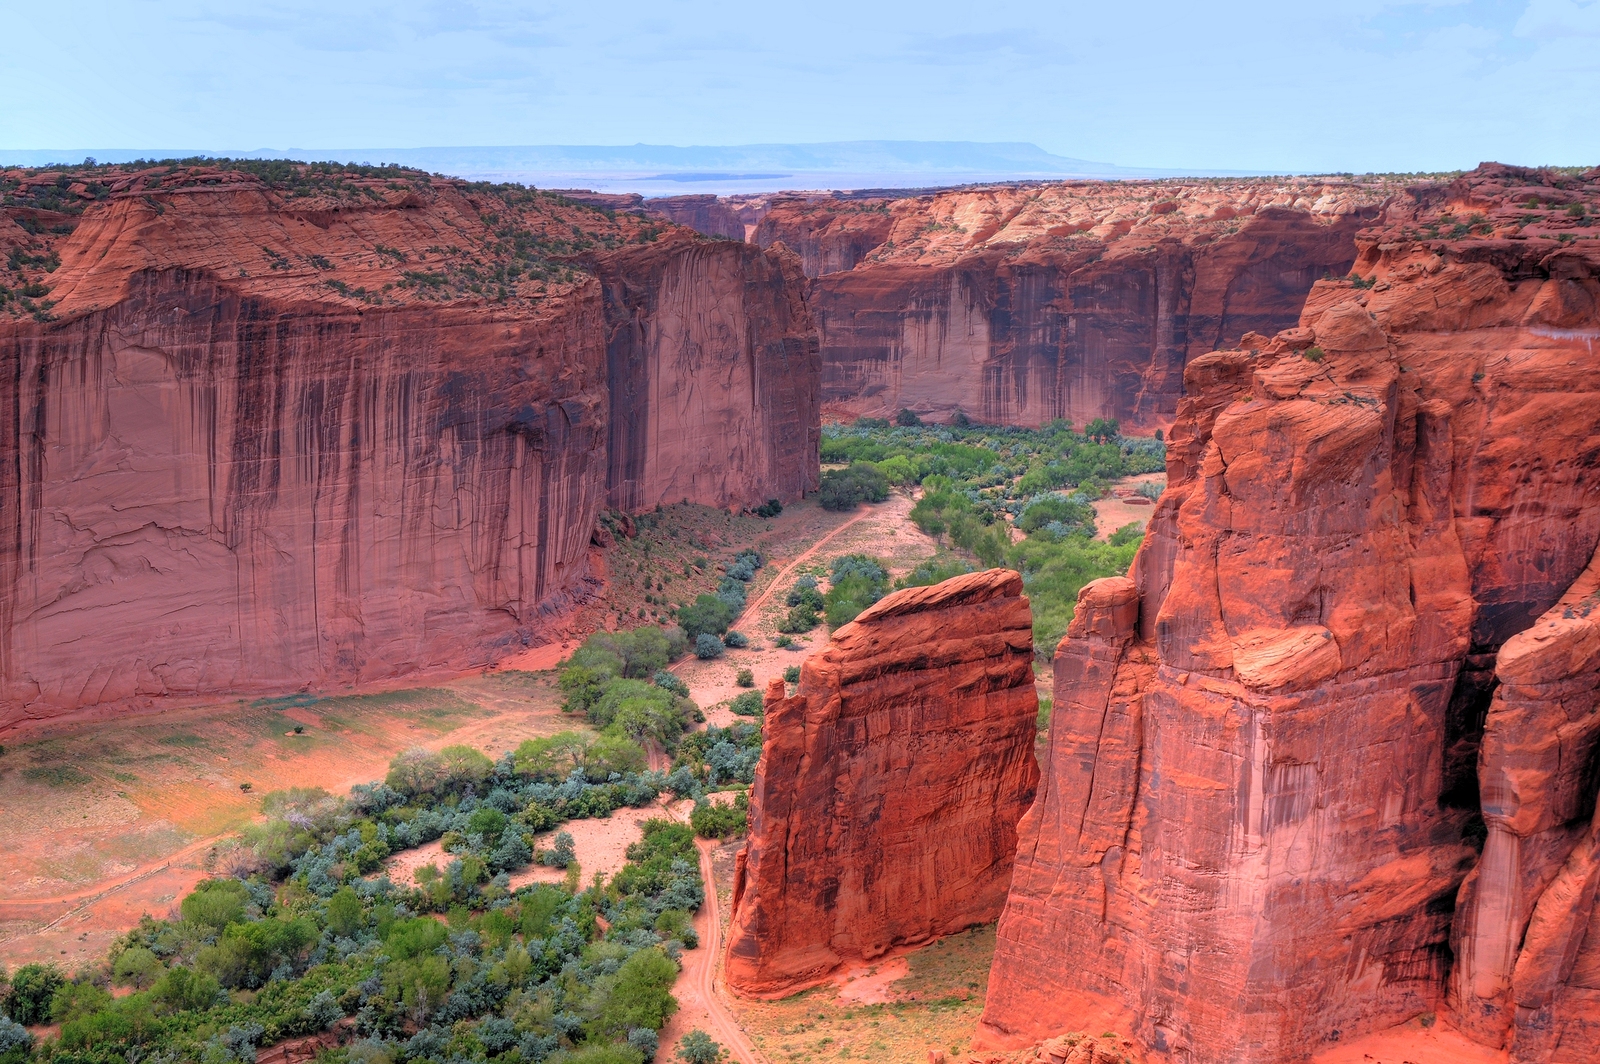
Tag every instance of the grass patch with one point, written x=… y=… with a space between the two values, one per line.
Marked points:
x=57 y=775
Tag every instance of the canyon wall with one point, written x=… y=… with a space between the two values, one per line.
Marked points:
x=713 y=370
x=1021 y=304
x=1279 y=744
x=262 y=431
x=889 y=785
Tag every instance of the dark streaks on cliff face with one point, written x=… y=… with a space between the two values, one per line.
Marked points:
x=716 y=405
x=247 y=496
x=1055 y=322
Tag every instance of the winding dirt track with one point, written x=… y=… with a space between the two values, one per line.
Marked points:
x=752 y=611
x=727 y=1029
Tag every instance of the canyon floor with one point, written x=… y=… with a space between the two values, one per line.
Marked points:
x=113 y=818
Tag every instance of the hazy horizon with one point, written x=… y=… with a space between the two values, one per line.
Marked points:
x=1363 y=85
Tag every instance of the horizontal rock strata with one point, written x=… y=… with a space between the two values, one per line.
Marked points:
x=1020 y=304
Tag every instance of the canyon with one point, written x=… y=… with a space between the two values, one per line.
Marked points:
x=885 y=803
x=1324 y=761
x=290 y=426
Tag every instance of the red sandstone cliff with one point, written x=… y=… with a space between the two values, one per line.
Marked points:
x=270 y=428
x=1019 y=304
x=713 y=369
x=1258 y=828
x=889 y=785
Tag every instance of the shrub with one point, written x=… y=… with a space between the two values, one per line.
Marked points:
x=1313 y=354
x=1103 y=427
x=858 y=582
x=745 y=678
x=804 y=590
x=799 y=619
x=707 y=646
x=215 y=903
x=907 y=419
x=707 y=615
x=13 y=1037
x=1058 y=515
x=74 y=1001
x=749 y=704
x=713 y=820
x=641 y=995
x=933 y=571
x=696 y=1047
x=736 y=638
x=554 y=757
x=843 y=489
x=669 y=682
x=770 y=508
x=561 y=853
x=137 y=967
x=612 y=754
x=791 y=674
x=1132 y=533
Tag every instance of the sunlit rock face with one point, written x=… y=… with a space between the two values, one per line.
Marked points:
x=1325 y=760
x=265 y=435
x=1020 y=304
x=889 y=787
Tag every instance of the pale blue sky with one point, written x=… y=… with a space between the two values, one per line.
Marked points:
x=1342 y=85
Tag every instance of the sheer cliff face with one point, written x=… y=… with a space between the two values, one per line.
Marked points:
x=713 y=368
x=256 y=437
x=889 y=786
x=1023 y=304
x=1259 y=826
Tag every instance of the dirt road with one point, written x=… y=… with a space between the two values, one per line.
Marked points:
x=753 y=610
x=725 y=1028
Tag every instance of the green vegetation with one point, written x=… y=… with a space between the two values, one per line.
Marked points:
x=805 y=606
x=302 y=934
x=715 y=820
x=843 y=489
x=978 y=481
x=696 y=1047
x=857 y=582
x=748 y=704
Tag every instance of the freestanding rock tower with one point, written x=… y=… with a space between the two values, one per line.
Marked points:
x=889 y=787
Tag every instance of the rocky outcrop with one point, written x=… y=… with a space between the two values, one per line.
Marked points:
x=713 y=371
x=889 y=785
x=1020 y=304
x=262 y=430
x=1258 y=832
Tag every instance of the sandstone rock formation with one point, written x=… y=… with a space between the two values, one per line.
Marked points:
x=1259 y=829
x=889 y=785
x=1019 y=304
x=263 y=428
x=713 y=370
